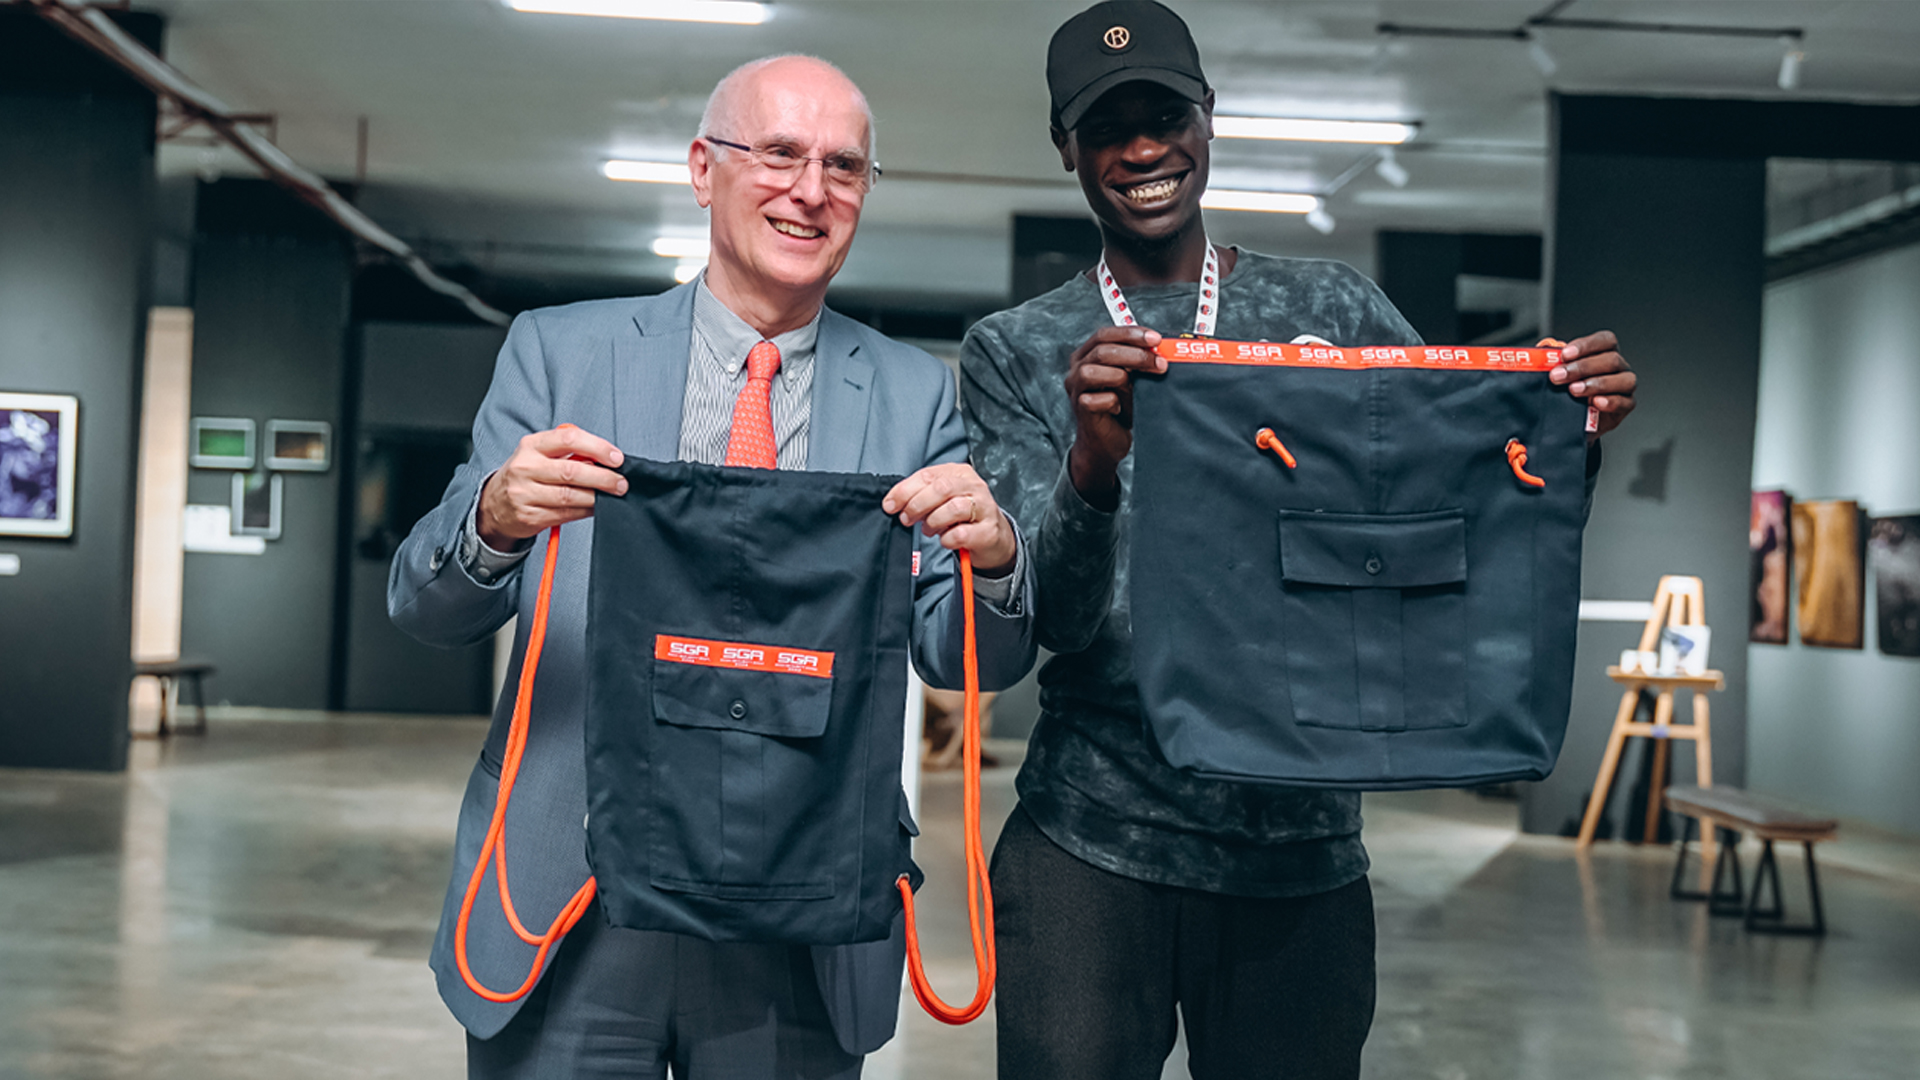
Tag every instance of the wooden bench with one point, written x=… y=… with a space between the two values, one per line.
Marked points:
x=171 y=672
x=1734 y=811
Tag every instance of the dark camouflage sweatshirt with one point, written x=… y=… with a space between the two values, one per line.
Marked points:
x=1094 y=780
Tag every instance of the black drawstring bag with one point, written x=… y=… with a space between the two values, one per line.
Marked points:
x=747 y=634
x=1396 y=611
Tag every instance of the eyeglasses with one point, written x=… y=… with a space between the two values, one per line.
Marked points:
x=849 y=172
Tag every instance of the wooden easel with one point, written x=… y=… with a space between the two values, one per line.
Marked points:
x=1679 y=601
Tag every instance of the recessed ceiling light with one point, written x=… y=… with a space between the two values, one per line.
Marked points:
x=648 y=172
x=737 y=12
x=1269 y=202
x=1298 y=130
x=682 y=247
x=688 y=270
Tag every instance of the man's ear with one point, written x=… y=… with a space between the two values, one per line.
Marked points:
x=1062 y=142
x=1206 y=107
x=700 y=167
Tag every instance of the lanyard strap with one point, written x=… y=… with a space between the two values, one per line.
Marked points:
x=1208 y=308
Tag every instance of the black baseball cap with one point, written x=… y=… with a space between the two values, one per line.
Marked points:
x=1115 y=42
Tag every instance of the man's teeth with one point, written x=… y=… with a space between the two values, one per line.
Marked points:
x=800 y=231
x=1159 y=189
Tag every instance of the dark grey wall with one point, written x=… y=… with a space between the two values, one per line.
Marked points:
x=420 y=386
x=270 y=320
x=76 y=183
x=1664 y=250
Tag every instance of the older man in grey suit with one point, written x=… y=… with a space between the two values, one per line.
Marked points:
x=783 y=162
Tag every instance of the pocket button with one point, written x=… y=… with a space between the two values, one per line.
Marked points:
x=1373 y=564
x=737 y=710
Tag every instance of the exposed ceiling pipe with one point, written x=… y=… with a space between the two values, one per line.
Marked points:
x=92 y=28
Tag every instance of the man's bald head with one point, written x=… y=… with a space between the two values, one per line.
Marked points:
x=730 y=96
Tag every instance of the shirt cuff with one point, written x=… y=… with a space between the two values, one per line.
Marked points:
x=480 y=561
x=1001 y=592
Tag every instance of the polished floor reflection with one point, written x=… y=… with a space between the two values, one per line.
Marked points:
x=259 y=903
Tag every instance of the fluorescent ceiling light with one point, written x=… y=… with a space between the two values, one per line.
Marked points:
x=737 y=12
x=682 y=247
x=1270 y=202
x=1321 y=221
x=688 y=270
x=648 y=172
x=1340 y=131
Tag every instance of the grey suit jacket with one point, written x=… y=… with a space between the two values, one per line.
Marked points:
x=618 y=368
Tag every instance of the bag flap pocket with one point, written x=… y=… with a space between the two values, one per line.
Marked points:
x=782 y=704
x=1373 y=551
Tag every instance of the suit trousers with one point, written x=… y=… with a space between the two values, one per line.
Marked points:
x=634 y=1003
x=1093 y=965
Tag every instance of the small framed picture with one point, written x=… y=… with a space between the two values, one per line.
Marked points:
x=220 y=442
x=38 y=451
x=256 y=504
x=299 y=445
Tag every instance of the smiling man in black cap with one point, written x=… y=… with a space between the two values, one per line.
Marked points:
x=1125 y=887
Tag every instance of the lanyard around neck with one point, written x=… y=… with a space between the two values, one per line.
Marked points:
x=1207 y=306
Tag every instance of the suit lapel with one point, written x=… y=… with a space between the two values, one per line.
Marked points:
x=842 y=381
x=650 y=375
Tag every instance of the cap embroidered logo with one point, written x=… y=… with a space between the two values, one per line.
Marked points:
x=1117 y=38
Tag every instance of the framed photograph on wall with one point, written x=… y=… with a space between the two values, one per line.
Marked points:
x=1829 y=566
x=1894 y=548
x=220 y=442
x=256 y=504
x=38 y=451
x=1770 y=545
x=299 y=445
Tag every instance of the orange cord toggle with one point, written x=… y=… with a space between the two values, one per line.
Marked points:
x=1517 y=461
x=1265 y=439
x=979 y=888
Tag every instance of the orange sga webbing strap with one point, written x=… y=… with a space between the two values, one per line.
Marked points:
x=1333 y=357
x=494 y=849
x=979 y=889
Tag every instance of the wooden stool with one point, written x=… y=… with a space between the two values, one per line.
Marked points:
x=1678 y=601
x=170 y=672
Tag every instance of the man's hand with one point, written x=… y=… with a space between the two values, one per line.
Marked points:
x=1100 y=386
x=549 y=480
x=953 y=503
x=1593 y=370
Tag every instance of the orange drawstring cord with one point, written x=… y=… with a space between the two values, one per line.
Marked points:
x=1517 y=461
x=979 y=888
x=1265 y=439
x=495 y=848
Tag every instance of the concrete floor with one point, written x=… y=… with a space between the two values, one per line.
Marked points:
x=258 y=903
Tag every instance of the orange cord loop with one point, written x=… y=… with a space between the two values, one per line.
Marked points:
x=979 y=888
x=1265 y=439
x=494 y=850
x=1517 y=461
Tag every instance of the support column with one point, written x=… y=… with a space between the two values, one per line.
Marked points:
x=1666 y=250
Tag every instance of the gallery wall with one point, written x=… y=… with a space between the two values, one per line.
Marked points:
x=1839 y=417
x=76 y=155
x=270 y=298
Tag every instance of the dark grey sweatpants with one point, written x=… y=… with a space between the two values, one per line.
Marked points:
x=1093 y=964
x=632 y=1003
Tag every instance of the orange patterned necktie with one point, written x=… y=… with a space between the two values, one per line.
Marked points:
x=750 y=443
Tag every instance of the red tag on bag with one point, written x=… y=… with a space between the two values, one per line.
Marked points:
x=742 y=656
